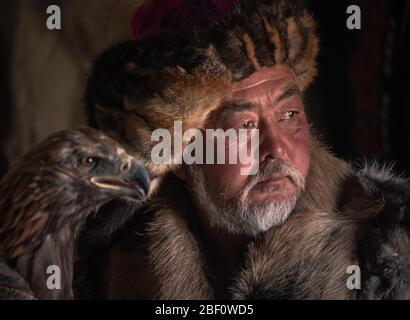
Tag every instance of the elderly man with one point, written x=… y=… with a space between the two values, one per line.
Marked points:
x=211 y=232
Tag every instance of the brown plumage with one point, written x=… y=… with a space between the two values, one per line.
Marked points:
x=47 y=196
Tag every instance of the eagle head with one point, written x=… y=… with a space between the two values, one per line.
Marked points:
x=91 y=167
x=61 y=182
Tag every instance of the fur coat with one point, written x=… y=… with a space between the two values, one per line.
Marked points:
x=345 y=217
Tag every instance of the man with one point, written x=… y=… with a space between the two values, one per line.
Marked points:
x=210 y=232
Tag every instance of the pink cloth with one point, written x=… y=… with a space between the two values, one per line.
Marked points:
x=175 y=16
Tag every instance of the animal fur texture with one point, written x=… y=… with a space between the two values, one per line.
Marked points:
x=137 y=87
x=47 y=197
x=331 y=228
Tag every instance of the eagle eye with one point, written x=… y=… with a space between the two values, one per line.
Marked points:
x=89 y=162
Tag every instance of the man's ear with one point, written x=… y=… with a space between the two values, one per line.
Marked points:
x=182 y=173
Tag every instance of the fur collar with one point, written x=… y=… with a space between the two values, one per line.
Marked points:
x=305 y=258
x=176 y=255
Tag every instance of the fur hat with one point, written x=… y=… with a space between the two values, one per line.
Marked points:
x=139 y=86
x=176 y=16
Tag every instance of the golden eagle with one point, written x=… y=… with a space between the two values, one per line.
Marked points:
x=46 y=198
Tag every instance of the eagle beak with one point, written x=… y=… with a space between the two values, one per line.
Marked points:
x=134 y=182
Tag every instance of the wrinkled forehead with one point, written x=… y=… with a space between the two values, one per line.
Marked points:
x=267 y=83
x=273 y=80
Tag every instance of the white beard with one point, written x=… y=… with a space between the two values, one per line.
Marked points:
x=238 y=216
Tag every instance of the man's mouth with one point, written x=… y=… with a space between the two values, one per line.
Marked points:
x=273 y=180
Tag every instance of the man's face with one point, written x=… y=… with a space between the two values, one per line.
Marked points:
x=269 y=101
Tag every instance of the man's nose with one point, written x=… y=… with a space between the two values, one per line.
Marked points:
x=273 y=143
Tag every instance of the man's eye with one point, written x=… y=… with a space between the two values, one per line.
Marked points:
x=249 y=125
x=289 y=115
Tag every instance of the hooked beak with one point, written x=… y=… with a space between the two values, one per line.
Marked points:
x=133 y=183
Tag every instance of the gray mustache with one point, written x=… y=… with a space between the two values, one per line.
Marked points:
x=277 y=167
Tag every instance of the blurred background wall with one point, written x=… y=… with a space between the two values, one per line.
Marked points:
x=364 y=100
x=6 y=20
x=360 y=103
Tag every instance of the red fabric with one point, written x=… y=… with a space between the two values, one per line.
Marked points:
x=175 y=16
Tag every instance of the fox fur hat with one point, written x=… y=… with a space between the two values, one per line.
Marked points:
x=157 y=81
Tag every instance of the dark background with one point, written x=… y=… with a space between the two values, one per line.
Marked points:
x=360 y=102
x=6 y=17
x=363 y=82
